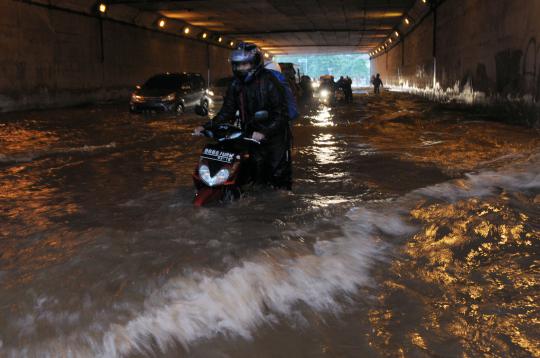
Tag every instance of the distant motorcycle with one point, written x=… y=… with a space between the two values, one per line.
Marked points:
x=224 y=166
x=339 y=95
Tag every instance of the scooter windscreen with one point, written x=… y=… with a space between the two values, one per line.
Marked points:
x=223 y=132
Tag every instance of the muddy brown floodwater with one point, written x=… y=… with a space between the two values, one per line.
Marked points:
x=413 y=230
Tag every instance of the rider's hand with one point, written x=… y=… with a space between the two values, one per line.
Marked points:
x=198 y=130
x=258 y=136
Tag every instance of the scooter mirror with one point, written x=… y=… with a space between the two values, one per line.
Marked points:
x=260 y=115
x=201 y=111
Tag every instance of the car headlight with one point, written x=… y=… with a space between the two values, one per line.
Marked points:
x=136 y=98
x=170 y=97
x=220 y=178
x=325 y=93
x=210 y=92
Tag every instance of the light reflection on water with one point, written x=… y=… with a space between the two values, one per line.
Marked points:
x=326 y=150
x=323 y=117
x=469 y=279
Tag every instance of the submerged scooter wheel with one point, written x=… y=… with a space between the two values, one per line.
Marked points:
x=230 y=195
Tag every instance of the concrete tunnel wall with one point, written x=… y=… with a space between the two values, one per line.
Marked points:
x=487 y=51
x=52 y=58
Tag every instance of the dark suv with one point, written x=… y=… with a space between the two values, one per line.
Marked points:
x=170 y=92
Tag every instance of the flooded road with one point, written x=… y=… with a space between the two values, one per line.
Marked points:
x=413 y=230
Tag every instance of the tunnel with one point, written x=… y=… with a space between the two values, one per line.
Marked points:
x=272 y=178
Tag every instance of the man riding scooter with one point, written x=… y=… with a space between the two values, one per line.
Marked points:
x=255 y=89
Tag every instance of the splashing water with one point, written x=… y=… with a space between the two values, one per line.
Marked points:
x=96 y=262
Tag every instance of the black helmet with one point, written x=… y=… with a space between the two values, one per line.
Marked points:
x=246 y=53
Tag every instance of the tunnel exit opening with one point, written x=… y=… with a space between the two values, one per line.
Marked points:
x=354 y=65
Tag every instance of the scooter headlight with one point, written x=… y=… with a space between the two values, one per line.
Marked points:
x=324 y=93
x=218 y=179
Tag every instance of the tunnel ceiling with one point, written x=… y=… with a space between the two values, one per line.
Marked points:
x=290 y=26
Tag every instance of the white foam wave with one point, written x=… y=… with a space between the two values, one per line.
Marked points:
x=484 y=183
x=254 y=293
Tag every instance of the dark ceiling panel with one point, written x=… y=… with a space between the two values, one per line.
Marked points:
x=290 y=26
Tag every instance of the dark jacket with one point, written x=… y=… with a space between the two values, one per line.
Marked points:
x=263 y=92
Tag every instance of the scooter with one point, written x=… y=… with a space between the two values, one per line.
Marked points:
x=224 y=166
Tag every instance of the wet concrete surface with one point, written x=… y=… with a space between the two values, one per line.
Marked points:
x=412 y=230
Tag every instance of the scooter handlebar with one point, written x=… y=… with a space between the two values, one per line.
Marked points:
x=208 y=133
